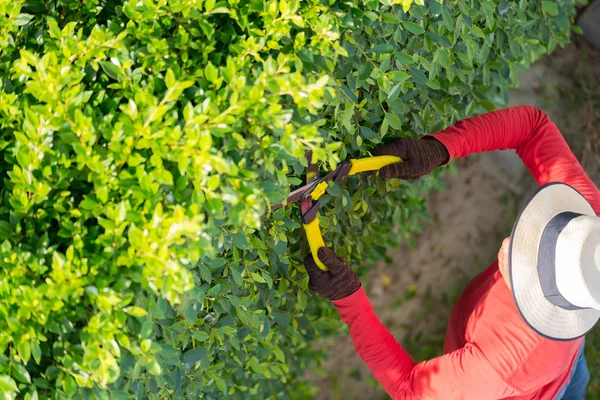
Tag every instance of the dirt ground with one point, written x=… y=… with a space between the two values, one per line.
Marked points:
x=470 y=218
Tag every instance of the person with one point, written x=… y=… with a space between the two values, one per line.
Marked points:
x=517 y=331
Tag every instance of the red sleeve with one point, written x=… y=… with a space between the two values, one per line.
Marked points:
x=465 y=373
x=537 y=140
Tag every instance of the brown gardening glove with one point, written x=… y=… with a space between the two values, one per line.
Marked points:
x=339 y=282
x=420 y=157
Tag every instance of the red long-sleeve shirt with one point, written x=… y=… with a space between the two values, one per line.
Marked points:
x=489 y=351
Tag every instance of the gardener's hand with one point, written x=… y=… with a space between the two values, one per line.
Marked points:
x=339 y=282
x=419 y=157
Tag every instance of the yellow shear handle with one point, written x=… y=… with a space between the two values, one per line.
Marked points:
x=313 y=232
x=315 y=241
x=372 y=163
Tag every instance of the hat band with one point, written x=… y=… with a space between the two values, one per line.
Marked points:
x=547 y=260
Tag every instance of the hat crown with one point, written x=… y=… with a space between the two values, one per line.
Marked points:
x=594 y=258
x=578 y=262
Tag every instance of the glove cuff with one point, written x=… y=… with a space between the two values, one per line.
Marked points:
x=436 y=152
x=345 y=290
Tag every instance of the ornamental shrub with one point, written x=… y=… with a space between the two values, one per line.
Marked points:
x=143 y=142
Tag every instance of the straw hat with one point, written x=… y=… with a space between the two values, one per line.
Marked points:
x=554 y=263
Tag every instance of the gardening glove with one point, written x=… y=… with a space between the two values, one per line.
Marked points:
x=419 y=157
x=339 y=282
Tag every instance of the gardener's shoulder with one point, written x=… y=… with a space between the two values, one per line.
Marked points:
x=522 y=357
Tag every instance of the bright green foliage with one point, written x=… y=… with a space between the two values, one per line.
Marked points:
x=142 y=142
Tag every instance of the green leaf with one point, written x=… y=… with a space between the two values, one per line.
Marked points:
x=36 y=351
x=447 y=19
x=170 y=79
x=209 y=5
x=404 y=58
x=263 y=256
x=348 y=93
x=434 y=84
x=279 y=354
x=210 y=72
x=257 y=277
x=8 y=384
x=298 y=21
x=205 y=273
x=69 y=385
x=6 y=230
x=219 y=10
x=489 y=106
x=31 y=395
x=89 y=203
x=21 y=373
x=284 y=7
x=256 y=367
x=435 y=8
x=200 y=336
x=413 y=27
x=391 y=18
x=549 y=7
x=240 y=240
x=476 y=31
x=146 y=345
x=194 y=355
x=281 y=319
x=229 y=330
x=135 y=311
x=154 y=367
x=268 y=280
x=22 y=19
x=418 y=76
x=367 y=133
x=24 y=349
x=394 y=121
x=221 y=385
x=110 y=69
x=384 y=126
x=399 y=76
x=394 y=93
x=382 y=48
x=301 y=299
x=364 y=71
x=443 y=58
x=237 y=277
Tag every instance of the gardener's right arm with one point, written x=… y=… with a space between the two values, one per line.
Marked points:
x=526 y=129
x=464 y=374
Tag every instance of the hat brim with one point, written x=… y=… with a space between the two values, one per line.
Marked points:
x=541 y=315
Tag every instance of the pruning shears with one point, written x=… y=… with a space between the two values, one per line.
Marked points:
x=309 y=194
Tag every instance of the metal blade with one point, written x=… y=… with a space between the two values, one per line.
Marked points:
x=312 y=174
x=294 y=196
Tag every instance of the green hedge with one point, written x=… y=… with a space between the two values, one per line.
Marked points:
x=142 y=141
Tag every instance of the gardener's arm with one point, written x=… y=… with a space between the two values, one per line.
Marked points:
x=536 y=138
x=465 y=373
x=462 y=374
x=526 y=129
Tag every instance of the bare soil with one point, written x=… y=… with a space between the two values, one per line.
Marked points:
x=414 y=295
